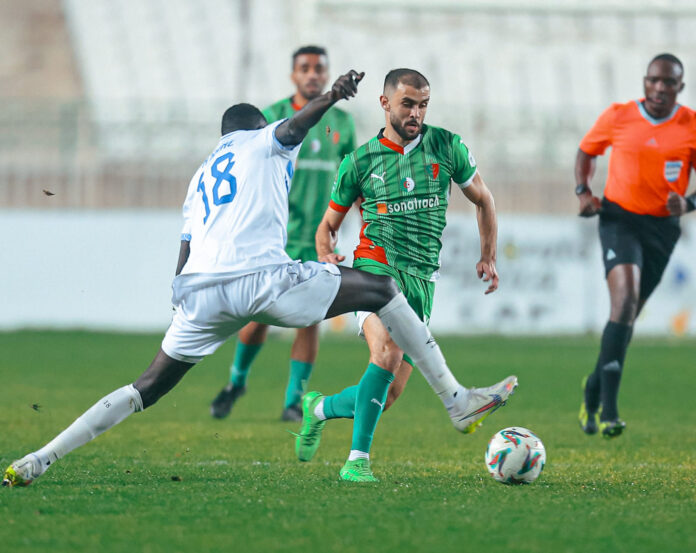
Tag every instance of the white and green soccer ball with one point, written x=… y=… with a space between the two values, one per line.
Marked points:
x=515 y=455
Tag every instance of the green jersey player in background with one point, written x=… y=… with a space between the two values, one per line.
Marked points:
x=403 y=176
x=322 y=150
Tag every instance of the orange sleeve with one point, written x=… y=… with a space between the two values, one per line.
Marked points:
x=600 y=136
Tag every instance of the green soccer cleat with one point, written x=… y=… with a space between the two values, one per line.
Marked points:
x=23 y=472
x=612 y=429
x=307 y=441
x=588 y=422
x=357 y=471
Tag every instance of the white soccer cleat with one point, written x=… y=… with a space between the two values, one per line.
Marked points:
x=23 y=471
x=473 y=405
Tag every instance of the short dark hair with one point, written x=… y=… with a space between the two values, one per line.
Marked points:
x=309 y=49
x=410 y=77
x=242 y=117
x=670 y=58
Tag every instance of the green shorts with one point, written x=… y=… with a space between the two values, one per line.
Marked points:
x=418 y=291
x=303 y=253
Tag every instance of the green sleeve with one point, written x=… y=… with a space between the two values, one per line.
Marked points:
x=346 y=187
x=270 y=114
x=463 y=162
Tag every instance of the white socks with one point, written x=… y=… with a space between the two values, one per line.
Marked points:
x=412 y=335
x=319 y=410
x=357 y=454
x=107 y=412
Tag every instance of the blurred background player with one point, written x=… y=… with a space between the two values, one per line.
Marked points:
x=403 y=176
x=323 y=149
x=653 y=143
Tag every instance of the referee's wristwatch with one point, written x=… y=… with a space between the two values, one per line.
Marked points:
x=580 y=189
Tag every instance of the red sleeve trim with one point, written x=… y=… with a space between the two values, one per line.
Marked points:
x=338 y=207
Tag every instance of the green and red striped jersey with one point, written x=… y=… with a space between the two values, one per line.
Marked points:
x=405 y=194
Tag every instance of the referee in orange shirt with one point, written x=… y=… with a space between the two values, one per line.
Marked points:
x=653 y=143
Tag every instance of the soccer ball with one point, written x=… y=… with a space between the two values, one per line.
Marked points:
x=515 y=456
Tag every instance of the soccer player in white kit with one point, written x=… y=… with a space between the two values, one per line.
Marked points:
x=233 y=269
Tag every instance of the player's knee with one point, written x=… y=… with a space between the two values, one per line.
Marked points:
x=389 y=357
x=624 y=308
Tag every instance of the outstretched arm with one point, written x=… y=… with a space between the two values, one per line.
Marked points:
x=585 y=165
x=478 y=194
x=327 y=236
x=293 y=131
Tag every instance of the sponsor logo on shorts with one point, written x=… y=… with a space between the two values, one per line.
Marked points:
x=672 y=170
x=611 y=254
x=408 y=206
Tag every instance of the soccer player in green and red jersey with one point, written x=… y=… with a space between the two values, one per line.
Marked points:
x=403 y=176
x=322 y=150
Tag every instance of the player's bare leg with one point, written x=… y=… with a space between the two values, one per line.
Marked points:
x=401 y=376
x=362 y=291
x=159 y=378
x=249 y=342
x=601 y=388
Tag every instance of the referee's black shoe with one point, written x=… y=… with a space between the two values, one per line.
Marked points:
x=589 y=422
x=612 y=429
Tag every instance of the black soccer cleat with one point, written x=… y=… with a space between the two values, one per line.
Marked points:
x=292 y=413
x=223 y=402
x=612 y=429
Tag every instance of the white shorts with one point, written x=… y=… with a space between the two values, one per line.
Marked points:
x=291 y=295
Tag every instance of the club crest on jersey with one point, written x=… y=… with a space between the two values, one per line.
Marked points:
x=315 y=145
x=409 y=184
x=434 y=170
x=672 y=170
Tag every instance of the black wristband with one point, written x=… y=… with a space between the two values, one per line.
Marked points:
x=581 y=189
x=690 y=203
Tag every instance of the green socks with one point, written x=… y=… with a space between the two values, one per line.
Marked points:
x=299 y=375
x=369 y=403
x=244 y=356
x=342 y=404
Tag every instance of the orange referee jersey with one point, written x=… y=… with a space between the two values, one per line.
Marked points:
x=649 y=156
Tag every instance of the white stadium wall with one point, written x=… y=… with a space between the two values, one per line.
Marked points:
x=112 y=270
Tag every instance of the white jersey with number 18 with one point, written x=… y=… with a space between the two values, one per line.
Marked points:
x=236 y=208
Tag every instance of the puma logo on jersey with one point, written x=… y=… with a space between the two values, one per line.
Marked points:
x=378 y=177
x=374 y=400
x=611 y=254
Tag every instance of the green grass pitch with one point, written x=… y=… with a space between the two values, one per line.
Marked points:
x=238 y=487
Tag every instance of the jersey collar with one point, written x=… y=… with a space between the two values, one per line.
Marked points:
x=650 y=118
x=295 y=106
x=394 y=146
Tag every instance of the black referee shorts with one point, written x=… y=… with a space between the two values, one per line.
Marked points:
x=643 y=240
